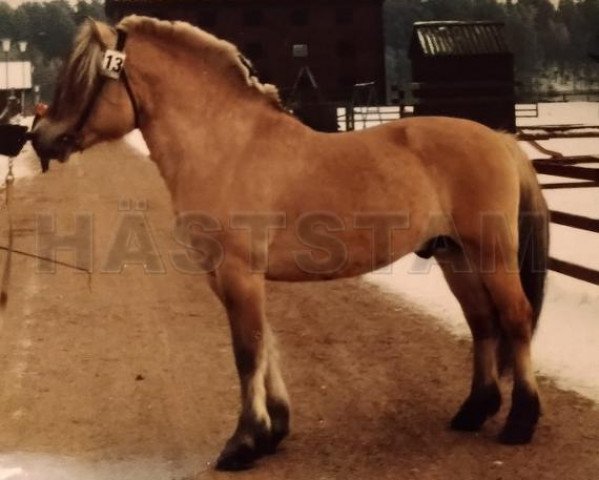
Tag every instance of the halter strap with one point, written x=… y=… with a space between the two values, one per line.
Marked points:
x=89 y=108
x=120 y=46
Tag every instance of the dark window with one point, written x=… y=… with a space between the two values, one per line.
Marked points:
x=346 y=49
x=253 y=18
x=300 y=50
x=345 y=15
x=207 y=18
x=254 y=50
x=347 y=81
x=300 y=17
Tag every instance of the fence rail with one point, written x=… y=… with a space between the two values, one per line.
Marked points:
x=553 y=167
x=575 y=221
x=527 y=110
x=575 y=271
x=566 y=167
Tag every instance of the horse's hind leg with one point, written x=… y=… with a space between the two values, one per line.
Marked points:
x=242 y=294
x=466 y=284
x=516 y=321
x=500 y=275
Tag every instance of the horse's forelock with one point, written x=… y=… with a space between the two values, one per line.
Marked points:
x=79 y=73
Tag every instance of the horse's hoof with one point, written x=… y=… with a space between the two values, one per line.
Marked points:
x=522 y=419
x=235 y=458
x=269 y=442
x=267 y=445
x=517 y=434
x=479 y=406
x=468 y=421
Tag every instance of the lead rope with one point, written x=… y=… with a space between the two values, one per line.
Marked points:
x=9 y=180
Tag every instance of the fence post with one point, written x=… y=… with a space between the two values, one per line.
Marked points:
x=349 y=118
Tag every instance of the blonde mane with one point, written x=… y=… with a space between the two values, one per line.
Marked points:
x=222 y=53
x=79 y=74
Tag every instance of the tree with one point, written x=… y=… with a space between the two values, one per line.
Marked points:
x=60 y=31
x=93 y=9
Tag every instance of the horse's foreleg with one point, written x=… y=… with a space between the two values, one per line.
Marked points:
x=277 y=400
x=466 y=284
x=242 y=294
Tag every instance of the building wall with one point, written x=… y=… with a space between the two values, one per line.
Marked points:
x=15 y=75
x=344 y=38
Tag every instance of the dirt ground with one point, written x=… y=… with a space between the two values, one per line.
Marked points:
x=130 y=376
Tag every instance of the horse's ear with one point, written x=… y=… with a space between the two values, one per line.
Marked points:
x=101 y=32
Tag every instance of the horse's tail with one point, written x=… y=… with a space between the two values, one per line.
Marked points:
x=533 y=244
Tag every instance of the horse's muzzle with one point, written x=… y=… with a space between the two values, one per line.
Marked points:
x=60 y=149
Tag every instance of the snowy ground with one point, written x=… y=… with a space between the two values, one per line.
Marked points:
x=567 y=344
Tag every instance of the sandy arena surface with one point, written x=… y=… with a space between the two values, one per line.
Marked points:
x=130 y=376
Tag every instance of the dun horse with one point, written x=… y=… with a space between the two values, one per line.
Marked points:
x=262 y=197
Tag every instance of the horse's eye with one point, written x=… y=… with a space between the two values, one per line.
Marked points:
x=67 y=138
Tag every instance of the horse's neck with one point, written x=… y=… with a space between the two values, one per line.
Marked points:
x=198 y=122
x=185 y=139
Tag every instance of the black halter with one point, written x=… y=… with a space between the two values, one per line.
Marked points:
x=91 y=104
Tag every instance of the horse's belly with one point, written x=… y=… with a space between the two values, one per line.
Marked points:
x=338 y=254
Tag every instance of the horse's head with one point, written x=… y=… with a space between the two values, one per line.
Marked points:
x=93 y=101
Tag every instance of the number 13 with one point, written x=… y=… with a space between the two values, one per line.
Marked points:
x=113 y=64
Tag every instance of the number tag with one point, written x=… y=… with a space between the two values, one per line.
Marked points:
x=113 y=64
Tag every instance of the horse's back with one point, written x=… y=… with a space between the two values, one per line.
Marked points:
x=460 y=160
x=470 y=170
x=471 y=164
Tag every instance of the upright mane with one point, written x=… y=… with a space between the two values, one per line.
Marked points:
x=79 y=74
x=222 y=53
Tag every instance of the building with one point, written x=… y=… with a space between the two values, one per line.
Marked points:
x=15 y=79
x=340 y=41
x=464 y=69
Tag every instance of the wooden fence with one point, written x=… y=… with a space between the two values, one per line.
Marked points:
x=350 y=117
x=570 y=167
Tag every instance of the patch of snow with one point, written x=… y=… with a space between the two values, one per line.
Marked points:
x=10 y=473
x=579 y=201
x=575 y=246
x=21 y=466
x=569 y=113
x=553 y=179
